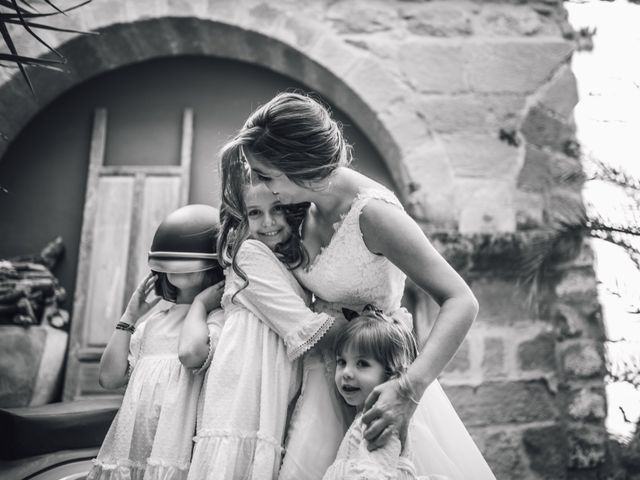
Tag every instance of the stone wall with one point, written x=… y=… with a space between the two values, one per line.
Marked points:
x=470 y=103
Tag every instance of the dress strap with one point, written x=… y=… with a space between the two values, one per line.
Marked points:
x=363 y=197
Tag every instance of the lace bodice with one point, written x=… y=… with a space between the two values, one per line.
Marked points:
x=346 y=273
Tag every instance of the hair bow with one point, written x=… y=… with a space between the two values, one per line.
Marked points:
x=368 y=309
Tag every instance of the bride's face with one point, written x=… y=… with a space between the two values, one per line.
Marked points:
x=277 y=182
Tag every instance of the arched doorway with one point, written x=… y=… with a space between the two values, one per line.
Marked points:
x=45 y=169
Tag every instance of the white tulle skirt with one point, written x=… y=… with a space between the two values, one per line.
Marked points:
x=440 y=443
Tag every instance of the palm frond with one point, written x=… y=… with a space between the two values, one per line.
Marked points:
x=19 y=15
x=27 y=27
x=9 y=42
x=50 y=27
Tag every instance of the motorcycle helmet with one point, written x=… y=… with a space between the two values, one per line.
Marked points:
x=185 y=241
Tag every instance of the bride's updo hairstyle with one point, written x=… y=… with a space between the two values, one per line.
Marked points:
x=295 y=134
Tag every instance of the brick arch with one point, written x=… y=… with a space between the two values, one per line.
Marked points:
x=339 y=72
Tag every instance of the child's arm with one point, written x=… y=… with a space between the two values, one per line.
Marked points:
x=195 y=342
x=276 y=298
x=114 y=364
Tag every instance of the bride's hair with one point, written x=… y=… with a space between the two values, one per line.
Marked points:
x=382 y=337
x=296 y=134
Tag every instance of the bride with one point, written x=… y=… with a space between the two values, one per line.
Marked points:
x=361 y=246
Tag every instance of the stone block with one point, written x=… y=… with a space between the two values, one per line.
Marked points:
x=512 y=21
x=360 y=16
x=529 y=210
x=225 y=11
x=535 y=174
x=485 y=206
x=546 y=448
x=493 y=357
x=430 y=168
x=19 y=364
x=578 y=319
x=145 y=9
x=587 y=446
x=84 y=56
x=587 y=404
x=538 y=353
x=568 y=320
x=544 y=129
x=438 y=20
x=561 y=94
x=482 y=156
x=99 y=15
x=583 y=359
x=406 y=124
x=577 y=284
x=433 y=67
x=335 y=55
x=523 y=65
x=301 y=33
x=31 y=361
x=501 y=449
x=469 y=112
x=503 y=402
x=384 y=91
x=186 y=8
x=460 y=361
x=454 y=113
x=502 y=303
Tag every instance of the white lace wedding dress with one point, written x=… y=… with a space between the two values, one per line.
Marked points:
x=347 y=274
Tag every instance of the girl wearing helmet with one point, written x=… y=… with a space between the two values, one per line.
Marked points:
x=151 y=436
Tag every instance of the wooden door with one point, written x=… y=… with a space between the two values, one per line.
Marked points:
x=123 y=207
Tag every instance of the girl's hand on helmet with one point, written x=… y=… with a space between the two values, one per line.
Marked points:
x=211 y=297
x=138 y=305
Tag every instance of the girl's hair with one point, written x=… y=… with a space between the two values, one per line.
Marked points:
x=374 y=334
x=165 y=289
x=295 y=134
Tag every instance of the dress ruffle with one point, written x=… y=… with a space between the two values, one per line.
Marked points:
x=235 y=454
x=152 y=470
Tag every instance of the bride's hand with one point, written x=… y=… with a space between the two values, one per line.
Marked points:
x=387 y=410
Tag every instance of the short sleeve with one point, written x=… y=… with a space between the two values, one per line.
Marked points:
x=215 y=321
x=275 y=297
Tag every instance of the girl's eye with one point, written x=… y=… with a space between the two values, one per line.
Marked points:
x=279 y=209
x=340 y=362
x=362 y=363
x=253 y=213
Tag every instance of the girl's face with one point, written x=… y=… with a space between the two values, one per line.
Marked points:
x=186 y=281
x=277 y=182
x=356 y=375
x=265 y=212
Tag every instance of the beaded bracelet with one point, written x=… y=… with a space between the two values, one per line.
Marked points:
x=127 y=327
x=406 y=389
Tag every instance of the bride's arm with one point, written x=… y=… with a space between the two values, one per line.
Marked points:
x=389 y=231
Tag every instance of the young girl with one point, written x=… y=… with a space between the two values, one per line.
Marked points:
x=255 y=374
x=151 y=436
x=371 y=349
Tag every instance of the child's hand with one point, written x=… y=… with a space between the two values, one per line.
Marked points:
x=138 y=305
x=211 y=297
